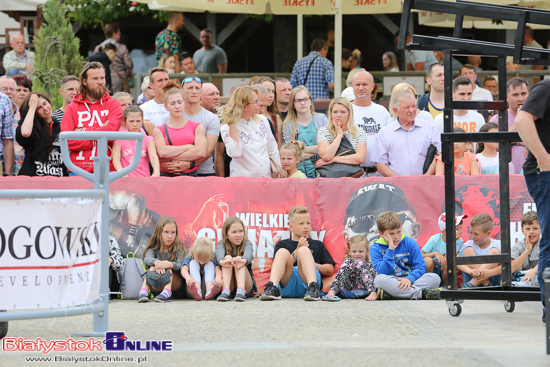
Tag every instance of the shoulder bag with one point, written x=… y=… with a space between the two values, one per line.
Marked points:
x=336 y=170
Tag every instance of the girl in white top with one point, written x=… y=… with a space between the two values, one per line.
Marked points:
x=389 y=62
x=487 y=153
x=340 y=124
x=247 y=136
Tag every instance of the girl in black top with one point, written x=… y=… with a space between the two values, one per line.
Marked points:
x=38 y=134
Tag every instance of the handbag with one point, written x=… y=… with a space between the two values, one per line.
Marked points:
x=125 y=83
x=336 y=170
x=276 y=170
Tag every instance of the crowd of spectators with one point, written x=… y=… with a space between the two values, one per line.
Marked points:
x=237 y=139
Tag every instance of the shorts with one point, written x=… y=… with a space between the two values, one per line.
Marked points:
x=296 y=288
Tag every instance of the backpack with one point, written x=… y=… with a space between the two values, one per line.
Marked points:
x=131 y=277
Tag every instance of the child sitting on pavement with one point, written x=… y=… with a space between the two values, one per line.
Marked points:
x=525 y=253
x=399 y=263
x=435 y=250
x=355 y=278
x=298 y=263
x=481 y=243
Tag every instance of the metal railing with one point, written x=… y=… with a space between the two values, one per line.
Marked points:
x=101 y=178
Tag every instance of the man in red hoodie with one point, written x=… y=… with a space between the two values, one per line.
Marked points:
x=92 y=109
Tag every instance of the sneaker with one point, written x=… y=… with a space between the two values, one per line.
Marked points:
x=240 y=297
x=383 y=295
x=432 y=293
x=162 y=298
x=143 y=298
x=312 y=293
x=224 y=297
x=271 y=292
x=467 y=285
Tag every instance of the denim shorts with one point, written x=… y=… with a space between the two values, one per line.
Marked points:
x=296 y=288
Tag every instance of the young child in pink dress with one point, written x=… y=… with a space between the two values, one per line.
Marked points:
x=124 y=150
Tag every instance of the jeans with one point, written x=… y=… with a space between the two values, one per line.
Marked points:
x=14 y=71
x=538 y=185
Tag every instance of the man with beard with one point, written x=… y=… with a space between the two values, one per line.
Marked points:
x=92 y=109
x=368 y=202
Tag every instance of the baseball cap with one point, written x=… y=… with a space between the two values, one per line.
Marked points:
x=442 y=221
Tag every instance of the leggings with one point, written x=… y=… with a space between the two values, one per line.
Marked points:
x=209 y=272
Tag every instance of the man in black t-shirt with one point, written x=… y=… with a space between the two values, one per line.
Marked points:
x=298 y=263
x=533 y=124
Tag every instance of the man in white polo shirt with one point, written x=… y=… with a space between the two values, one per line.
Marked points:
x=154 y=109
x=367 y=115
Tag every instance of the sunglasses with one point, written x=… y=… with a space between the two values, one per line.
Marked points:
x=191 y=78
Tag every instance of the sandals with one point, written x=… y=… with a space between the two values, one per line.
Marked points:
x=331 y=299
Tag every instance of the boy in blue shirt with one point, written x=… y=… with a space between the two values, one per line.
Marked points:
x=435 y=250
x=399 y=263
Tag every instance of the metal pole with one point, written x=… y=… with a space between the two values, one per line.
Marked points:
x=300 y=36
x=338 y=49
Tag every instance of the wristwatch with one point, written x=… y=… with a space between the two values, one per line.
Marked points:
x=193 y=164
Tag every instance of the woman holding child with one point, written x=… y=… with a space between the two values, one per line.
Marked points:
x=247 y=136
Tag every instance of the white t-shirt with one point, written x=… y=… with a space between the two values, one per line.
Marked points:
x=481 y=94
x=211 y=125
x=490 y=165
x=154 y=112
x=470 y=122
x=371 y=120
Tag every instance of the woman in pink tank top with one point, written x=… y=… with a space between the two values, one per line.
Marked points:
x=180 y=142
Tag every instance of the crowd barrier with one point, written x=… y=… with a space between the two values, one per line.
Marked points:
x=339 y=207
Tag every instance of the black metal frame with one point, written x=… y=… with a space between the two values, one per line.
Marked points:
x=521 y=55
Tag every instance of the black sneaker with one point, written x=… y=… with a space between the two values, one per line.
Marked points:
x=271 y=292
x=313 y=293
x=224 y=297
x=383 y=295
x=432 y=293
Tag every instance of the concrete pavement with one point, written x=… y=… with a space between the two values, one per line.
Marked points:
x=299 y=333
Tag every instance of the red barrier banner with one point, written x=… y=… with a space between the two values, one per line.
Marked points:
x=339 y=208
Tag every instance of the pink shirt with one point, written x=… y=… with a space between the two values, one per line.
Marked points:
x=127 y=152
x=518 y=151
x=181 y=136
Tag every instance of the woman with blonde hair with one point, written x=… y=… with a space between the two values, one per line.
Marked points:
x=341 y=126
x=247 y=136
x=423 y=115
x=302 y=123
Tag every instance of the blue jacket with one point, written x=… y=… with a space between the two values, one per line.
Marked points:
x=405 y=261
x=423 y=102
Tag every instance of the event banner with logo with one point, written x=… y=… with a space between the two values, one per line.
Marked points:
x=49 y=253
x=340 y=208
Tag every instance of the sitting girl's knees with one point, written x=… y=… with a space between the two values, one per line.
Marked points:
x=494 y=251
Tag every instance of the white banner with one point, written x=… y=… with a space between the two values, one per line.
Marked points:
x=49 y=253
